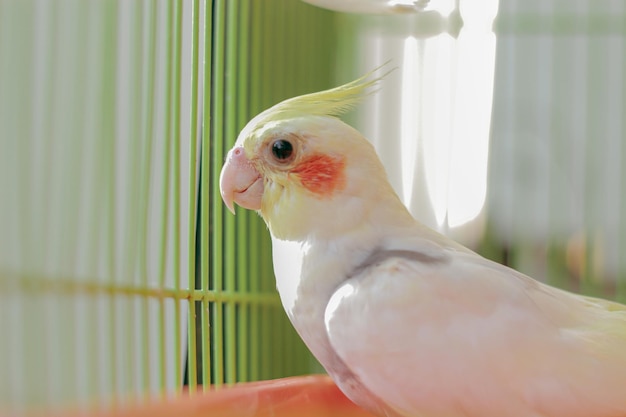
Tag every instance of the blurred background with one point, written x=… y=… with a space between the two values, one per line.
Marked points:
x=122 y=277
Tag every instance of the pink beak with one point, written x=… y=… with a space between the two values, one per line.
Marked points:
x=240 y=182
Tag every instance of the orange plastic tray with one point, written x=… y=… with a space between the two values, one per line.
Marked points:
x=302 y=396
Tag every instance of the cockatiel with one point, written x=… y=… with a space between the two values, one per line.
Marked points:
x=406 y=321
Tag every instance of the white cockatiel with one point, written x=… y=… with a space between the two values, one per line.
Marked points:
x=406 y=321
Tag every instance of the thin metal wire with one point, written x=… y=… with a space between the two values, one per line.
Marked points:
x=167 y=219
x=254 y=238
x=131 y=335
x=176 y=147
x=621 y=276
x=147 y=120
x=230 y=132
x=217 y=144
x=41 y=284
x=205 y=265
x=94 y=346
x=191 y=255
x=50 y=92
x=109 y=174
x=243 y=262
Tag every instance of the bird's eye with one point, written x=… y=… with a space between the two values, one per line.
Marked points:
x=282 y=150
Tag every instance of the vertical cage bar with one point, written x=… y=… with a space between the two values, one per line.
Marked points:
x=164 y=209
x=620 y=290
x=108 y=150
x=243 y=263
x=207 y=126
x=256 y=25
x=92 y=367
x=217 y=218
x=172 y=78
x=147 y=121
x=230 y=260
x=192 y=354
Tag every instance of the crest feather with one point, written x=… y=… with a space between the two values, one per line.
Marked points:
x=333 y=102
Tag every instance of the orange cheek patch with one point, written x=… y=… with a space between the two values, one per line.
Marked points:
x=322 y=174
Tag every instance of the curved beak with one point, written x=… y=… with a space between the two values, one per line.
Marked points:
x=240 y=182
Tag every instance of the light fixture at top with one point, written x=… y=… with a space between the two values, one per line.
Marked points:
x=374 y=6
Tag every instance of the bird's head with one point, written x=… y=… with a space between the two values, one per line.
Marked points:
x=305 y=171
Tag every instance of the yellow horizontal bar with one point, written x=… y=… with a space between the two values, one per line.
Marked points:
x=11 y=283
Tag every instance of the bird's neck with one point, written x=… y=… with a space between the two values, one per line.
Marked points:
x=313 y=267
x=307 y=274
x=316 y=265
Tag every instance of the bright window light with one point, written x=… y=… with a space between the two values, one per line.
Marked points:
x=446 y=94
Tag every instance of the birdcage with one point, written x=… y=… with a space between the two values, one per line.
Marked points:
x=124 y=281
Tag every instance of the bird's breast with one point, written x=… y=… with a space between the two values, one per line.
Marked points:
x=306 y=283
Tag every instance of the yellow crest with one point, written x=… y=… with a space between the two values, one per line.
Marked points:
x=333 y=102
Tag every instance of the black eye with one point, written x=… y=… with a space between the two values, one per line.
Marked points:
x=282 y=150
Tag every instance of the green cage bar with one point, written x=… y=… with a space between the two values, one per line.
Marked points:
x=172 y=288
